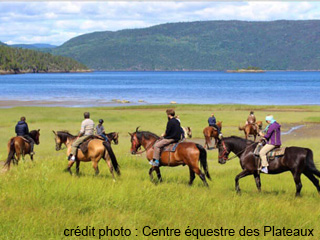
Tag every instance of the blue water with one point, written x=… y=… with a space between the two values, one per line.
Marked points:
x=99 y=88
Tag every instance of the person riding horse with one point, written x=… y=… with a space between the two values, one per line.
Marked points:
x=272 y=140
x=172 y=134
x=22 y=130
x=100 y=130
x=213 y=123
x=251 y=119
x=86 y=131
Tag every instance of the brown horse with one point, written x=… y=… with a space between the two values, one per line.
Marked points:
x=97 y=149
x=18 y=146
x=251 y=129
x=187 y=153
x=113 y=136
x=297 y=160
x=209 y=133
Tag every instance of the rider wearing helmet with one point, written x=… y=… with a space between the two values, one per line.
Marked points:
x=213 y=123
x=272 y=139
x=100 y=130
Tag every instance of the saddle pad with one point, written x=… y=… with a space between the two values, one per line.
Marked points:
x=214 y=128
x=24 y=139
x=277 y=152
x=84 y=145
x=171 y=147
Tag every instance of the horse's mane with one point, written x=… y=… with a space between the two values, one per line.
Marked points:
x=64 y=135
x=241 y=141
x=146 y=135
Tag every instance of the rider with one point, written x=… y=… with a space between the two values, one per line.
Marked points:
x=213 y=123
x=173 y=134
x=22 y=129
x=87 y=130
x=272 y=139
x=251 y=118
x=182 y=131
x=100 y=130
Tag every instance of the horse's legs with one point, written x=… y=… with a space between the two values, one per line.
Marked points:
x=95 y=166
x=313 y=179
x=257 y=178
x=70 y=164
x=241 y=175
x=255 y=136
x=297 y=180
x=157 y=169
x=192 y=176
x=150 y=173
x=197 y=171
x=77 y=167
x=110 y=168
x=31 y=156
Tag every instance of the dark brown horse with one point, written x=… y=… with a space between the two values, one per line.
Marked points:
x=187 y=153
x=97 y=149
x=209 y=133
x=19 y=146
x=113 y=136
x=297 y=160
x=251 y=129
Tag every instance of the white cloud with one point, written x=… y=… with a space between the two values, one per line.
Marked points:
x=57 y=22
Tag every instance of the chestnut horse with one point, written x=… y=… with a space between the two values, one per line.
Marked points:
x=17 y=146
x=209 y=133
x=251 y=129
x=187 y=153
x=297 y=160
x=97 y=149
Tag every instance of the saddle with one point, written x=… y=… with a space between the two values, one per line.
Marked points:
x=214 y=128
x=84 y=146
x=276 y=152
x=171 y=147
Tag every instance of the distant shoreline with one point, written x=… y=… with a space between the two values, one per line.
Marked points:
x=2 y=72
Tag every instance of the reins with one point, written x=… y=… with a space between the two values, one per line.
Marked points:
x=236 y=155
x=148 y=147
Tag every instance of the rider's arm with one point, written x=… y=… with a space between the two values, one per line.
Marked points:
x=27 y=129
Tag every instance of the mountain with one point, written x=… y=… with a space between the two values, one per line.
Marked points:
x=13 y=60
x=1 y=43
x=207 y=45
x=34 y=46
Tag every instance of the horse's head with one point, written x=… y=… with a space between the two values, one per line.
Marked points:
x=35 y=135
x=57 y=140
x=223 y=151
x=259 y=123
x=189 y=132
x=116 y=138
x=135 y=142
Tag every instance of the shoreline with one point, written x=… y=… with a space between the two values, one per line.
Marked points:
x=2 y=72
x=124 y=103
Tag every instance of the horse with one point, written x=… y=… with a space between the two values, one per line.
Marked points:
x=187 y=132
x=209 y=133
x=18 y=146
x=297 y=160
x=97 y=149
x=251 y=129
x=113 y=136
x=186 y=153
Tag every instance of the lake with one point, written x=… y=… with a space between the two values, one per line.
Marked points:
x=103 y=88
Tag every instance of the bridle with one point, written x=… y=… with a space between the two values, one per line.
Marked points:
x=225 y=152
x=146 y=148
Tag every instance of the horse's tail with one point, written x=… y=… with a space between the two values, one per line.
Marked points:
x=241 y=128
x=203 y=160
x=113 y=158
x=310 y=163
x=11 y=153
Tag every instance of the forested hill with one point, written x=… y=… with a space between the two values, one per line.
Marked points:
x=14 y=60
x=209 y=45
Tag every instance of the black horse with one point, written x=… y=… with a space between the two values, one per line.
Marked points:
x=297 y=160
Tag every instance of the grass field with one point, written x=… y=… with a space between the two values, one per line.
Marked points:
x=38 y=200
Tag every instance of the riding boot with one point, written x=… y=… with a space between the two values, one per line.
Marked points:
x=31 y=148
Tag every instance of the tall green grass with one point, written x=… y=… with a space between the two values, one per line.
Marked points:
x=38 y=200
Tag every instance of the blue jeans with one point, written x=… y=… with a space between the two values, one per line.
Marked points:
x=105 y=137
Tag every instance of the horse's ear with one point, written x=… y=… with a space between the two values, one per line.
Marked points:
x=38 y=130
x=130 y=134
x=137 y=129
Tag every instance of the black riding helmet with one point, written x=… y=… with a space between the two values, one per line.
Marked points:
x=101 y=121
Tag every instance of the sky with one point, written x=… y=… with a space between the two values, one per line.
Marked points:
x=57 y=22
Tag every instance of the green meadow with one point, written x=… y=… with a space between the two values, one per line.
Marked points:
x=38 y=200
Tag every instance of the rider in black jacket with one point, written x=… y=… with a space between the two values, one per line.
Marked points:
x=22 y=130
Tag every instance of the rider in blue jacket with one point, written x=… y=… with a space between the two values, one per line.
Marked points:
x=22 y=130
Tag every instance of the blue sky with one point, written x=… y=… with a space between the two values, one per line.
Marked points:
x=57 y=22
